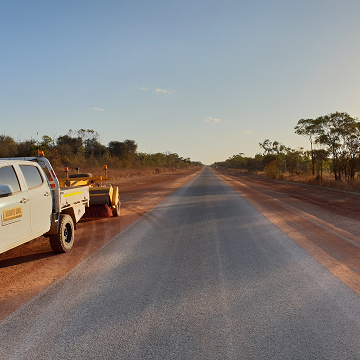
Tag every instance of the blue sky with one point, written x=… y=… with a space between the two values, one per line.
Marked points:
x=204 y=79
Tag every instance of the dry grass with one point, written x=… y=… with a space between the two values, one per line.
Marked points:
x=352 y=185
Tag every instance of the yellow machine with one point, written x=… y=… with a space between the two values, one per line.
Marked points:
x=104 y=199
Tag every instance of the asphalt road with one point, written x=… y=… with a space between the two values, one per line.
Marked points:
x=203 y=275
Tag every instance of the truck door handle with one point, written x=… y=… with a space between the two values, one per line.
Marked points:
x=47 y=194
x=23 y=200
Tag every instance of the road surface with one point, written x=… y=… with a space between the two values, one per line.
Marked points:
x=204 y=275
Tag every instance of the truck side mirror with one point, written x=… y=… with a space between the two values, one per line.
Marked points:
x=5 y=190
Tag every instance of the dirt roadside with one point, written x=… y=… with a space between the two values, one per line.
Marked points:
x=29 y=268
x=325 y=222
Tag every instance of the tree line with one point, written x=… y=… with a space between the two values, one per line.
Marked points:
x=334 y=146
x=83 y=148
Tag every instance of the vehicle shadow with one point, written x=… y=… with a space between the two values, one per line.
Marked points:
x=26 y=259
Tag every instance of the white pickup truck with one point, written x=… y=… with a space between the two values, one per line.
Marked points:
x=30 y=207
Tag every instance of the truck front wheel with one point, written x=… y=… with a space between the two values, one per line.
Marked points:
x=63 y=241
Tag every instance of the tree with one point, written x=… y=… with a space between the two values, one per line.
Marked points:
x=94 y=148
x=351 y=149
x=320 y=156
x=123 y=150
x=340 y=135
x=308 y=128
x=117 y=148
x=254 y=164
x=46 y=142
x=84 y=135
x=8 y=146
x=275 y=151
x=294 y=161
x=90 y=141
x=75 y=144
x=334 y=131
x=131 y=147
x=27 y=148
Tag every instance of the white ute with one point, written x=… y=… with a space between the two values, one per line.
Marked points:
x=30 y=207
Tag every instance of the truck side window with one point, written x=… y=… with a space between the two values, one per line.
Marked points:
x=8 y=177
x=31 y=175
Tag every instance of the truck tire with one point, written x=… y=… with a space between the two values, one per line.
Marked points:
x=63 y=241
x=115 y=202
x=74 y=176
x=116 y=209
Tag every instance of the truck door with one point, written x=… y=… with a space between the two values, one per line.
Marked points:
x=40 y=199
x=14 y=211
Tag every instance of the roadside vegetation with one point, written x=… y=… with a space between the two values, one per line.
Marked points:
x=82 y=149
x=332 y=161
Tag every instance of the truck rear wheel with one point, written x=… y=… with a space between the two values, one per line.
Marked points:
x=116 y=202
x=116 y=209
x=63 y=241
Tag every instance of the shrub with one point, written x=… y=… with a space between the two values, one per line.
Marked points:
x=271 y=170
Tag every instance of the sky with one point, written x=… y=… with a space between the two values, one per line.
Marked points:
x=201 y=78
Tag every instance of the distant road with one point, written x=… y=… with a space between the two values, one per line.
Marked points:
x=204 y=275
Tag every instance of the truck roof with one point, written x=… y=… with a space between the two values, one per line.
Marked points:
x=13 y=161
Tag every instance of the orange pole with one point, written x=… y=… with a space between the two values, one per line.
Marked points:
x=66 y=172
x=105 y=171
